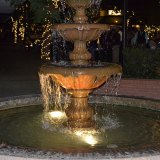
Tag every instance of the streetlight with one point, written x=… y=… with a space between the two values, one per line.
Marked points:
x=124 y=35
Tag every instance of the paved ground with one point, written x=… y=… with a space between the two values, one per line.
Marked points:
x=18 y=70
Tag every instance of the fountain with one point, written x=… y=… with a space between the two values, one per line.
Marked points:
x=80 y=77
x=86 y=127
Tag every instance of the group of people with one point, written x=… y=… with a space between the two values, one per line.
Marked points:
x=111 y=42
x=141 y=39
x=109 y=46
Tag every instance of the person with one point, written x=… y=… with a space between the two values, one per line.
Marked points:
x=140 y=38
x=115 y=40
x=119 y=31
x=152 y=44
x=157 y=39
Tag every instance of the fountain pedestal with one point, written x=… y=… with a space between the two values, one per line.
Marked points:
x=79 y=113
x=80 y=59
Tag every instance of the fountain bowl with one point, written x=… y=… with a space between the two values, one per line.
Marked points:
x=81 y=77
x=150 y=152
x=81 y=32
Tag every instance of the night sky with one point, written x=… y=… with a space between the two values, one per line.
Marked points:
x=146 y=10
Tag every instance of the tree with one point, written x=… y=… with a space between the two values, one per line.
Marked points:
x=41 y=9
x=48 y=12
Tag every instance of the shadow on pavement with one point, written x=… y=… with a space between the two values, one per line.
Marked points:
x=18 y=70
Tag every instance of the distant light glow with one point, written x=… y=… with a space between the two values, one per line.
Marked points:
x=114 y=12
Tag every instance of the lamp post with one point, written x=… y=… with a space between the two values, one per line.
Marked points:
x=124 y=32
x=124 y=23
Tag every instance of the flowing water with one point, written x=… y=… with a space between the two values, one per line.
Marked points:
x=116 y=127
x=53 y=94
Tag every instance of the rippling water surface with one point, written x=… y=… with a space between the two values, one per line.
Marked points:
x=116 y=127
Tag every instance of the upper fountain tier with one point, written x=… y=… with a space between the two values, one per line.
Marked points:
x=80 y=7
x=80 y=32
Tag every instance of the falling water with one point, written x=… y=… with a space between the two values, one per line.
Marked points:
x=94 y=10
x=96 y=3
x=112 y=84
x=54 y=97
x=67 y=12
x=59 y=47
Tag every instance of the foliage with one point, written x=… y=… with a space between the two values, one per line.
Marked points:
x=141 y=63
x=41 y=9
x=45 y=9
x=15 y=2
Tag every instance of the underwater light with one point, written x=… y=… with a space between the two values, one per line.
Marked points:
x=55 y=117
x=90 y=139
x=88 y=136
x=57 y=114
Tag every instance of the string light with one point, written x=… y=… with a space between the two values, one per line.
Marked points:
x=19 y=25
x=46 y=36
x=46 y=43
x=151 y=30
x=55 y=3
x=14 y=29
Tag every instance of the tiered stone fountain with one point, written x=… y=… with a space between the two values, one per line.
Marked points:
x=125 y=132
x=81 y=77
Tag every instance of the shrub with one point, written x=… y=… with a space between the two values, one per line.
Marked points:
x=141 y=63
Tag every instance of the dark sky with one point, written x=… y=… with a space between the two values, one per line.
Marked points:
x=149 y=10
x=146 y=10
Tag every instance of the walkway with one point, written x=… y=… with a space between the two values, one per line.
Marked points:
x=18 y=70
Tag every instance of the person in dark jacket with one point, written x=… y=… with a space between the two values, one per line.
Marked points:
x=115 y=40
x=140 y=38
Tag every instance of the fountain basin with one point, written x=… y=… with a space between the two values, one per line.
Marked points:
x=150 y=152
x=81 y=32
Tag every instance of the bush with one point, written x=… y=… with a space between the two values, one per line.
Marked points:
x=141 y=63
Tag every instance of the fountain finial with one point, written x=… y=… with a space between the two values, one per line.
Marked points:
x=80 y=7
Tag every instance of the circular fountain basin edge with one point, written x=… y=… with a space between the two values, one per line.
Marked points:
x=17 y=153
x=107 y=69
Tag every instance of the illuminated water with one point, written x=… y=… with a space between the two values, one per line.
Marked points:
x=118 y=127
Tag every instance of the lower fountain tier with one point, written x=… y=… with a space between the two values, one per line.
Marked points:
x=79 y=80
